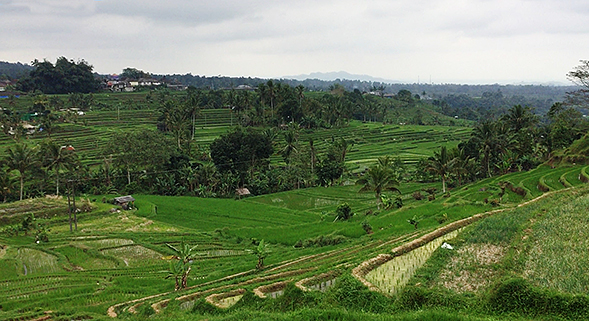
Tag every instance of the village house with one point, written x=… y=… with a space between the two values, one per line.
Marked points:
x=4 y=85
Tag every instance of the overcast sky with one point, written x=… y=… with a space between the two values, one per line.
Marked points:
x=447 y=41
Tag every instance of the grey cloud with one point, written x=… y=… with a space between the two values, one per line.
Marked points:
x=8 y=7
x=177 y=12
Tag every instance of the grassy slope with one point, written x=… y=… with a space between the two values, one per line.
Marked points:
x=95 y=267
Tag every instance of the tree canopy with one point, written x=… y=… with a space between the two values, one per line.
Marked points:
x=66 y=76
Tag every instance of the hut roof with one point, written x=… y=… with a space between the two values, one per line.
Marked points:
x=242 y=191
x=124 y=199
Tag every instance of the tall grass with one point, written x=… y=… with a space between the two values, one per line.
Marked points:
x=559 y=257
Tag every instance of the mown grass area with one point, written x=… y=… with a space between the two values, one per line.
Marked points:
x=116 y=257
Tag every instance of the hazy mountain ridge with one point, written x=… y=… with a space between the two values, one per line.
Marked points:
x=334 y=75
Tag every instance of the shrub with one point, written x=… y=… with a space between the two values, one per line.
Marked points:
x=343 y=212
x=321 y=240
x=353 y=295
x=203 y=307
x=417 y=196
x=416 y=298
x=398 y=202
x=367 y=227
x=543 y=188
x=294 y=299
x=517 y=295
x=441 y=219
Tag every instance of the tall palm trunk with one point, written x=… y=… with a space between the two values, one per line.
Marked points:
x=57 y=182
x=22 y=184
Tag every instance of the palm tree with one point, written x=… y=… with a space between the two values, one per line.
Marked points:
x=20 y=158
x=339 y=149
x=271 y=92
x=57 y=157
x=378 y=179
x=300 y=90
x=291 y=139
x=313 y=154
x=441 y=164
x=485 y=136
x=177 y=120
x=519 y=117
x=462 y=164
x=6 y=185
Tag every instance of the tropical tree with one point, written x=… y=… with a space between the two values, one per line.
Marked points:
x=55 y=157
x=580 y=77
x=485 y=136
x=177 y=118
x=180 y=266
x=300 y=90
x=378 y=179
x=519 y=117
x=441 y=164
x=21 y=158
x=6 y=184
x=290 y=139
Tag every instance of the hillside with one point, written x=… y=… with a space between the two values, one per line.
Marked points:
x=113 y=262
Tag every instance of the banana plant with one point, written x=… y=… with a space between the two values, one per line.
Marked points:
x=179 y=270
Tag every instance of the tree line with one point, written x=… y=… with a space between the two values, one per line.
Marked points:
x=167 y=161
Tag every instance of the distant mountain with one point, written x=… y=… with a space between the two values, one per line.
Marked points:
x=331 y=76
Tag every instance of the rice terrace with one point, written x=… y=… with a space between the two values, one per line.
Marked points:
x=282 y=202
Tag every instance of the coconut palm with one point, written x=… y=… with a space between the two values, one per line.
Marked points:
x=441 y=164
x=519 y=117
x=6 y=185
x=291 y=140
x=56 y=157
x=21 y=158
x=486 y=137
x=378 y=179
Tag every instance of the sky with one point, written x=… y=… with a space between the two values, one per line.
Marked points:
x=442 y=41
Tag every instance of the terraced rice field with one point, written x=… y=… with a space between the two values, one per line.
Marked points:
x=114 y=261
x=392 y=276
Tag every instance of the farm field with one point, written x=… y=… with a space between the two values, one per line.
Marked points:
x=90 y=132
x=114 y=264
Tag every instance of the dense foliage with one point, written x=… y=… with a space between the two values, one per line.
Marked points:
x=66 y=76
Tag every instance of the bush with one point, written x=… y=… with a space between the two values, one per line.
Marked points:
x=321 y=240
x=416 y=298
x=203 y=307
x=398 y=202
x=417 y=196
x=367 y=227
x=441 y=219
x=517 y=295
x=350 y=294
x=294 y=299
x=343 y=212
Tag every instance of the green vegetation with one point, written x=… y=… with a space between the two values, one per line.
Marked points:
x=321 y=248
